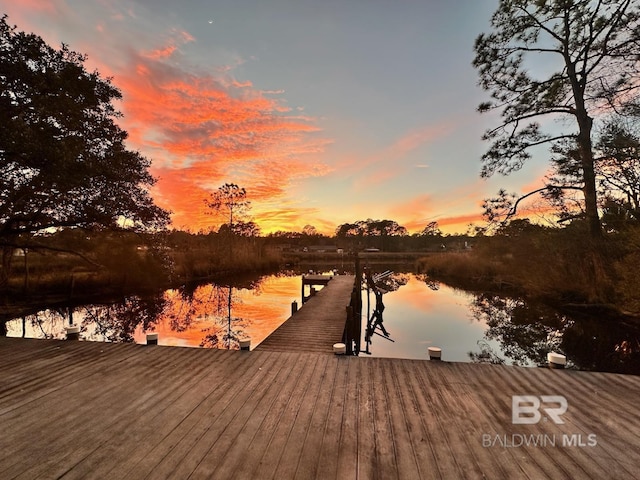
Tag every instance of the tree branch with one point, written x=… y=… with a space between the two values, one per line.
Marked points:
x=514 y=208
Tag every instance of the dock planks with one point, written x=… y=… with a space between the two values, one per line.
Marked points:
x=318 y=324
x=91 y=410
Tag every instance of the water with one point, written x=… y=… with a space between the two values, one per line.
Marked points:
x=418 y=317
x=419 y=313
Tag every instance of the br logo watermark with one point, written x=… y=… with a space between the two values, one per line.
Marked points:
x=525 y=409
x=531 y=410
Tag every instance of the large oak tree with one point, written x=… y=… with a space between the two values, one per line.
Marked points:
x=562 y=60
x=63 y=159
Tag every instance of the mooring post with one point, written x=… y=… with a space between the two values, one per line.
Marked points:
x=152 y=339
x=556 y=360
x=294 y=307
x=73 y=332
x=435 y=353
x=245 y=344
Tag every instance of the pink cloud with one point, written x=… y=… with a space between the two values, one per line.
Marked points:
x=204 y=130
x=200 y=127
x=162 y=52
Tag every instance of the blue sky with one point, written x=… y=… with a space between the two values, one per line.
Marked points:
x=327 y=112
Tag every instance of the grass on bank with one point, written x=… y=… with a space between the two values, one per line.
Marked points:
x=558 y=266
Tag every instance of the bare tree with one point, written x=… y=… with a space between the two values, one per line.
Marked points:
x=230 y=200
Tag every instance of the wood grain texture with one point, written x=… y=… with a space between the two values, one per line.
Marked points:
x=91 y=410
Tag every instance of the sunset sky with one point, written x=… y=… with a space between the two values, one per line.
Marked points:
x=325 y=111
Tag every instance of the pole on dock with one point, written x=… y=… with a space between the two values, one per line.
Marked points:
x=152 y=339
x=245 y=344
x=294 y=307
x=339 y=348
x=556 y=360
x=435 y=353
x=73 y=332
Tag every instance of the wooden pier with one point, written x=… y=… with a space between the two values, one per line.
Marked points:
x=312 y=281
x=319 y=323
x=82 y=410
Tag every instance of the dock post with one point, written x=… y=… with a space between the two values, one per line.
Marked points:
x=435 y=353
x=245 y=344
x=73 y=332
x=556 y=360
x=339 y=348
x=294 y=307
x=152 y=339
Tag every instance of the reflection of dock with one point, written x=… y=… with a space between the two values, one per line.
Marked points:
x=93 y=410
x=319 y=323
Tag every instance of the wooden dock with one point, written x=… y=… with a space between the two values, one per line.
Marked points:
x=312 y=281
x=82 y=410
x=318 y=324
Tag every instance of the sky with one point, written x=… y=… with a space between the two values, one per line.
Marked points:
x=326 y=112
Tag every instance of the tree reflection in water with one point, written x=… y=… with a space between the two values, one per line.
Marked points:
x=517 y=330
x=211 y=304
x=525 y=334
x=119 y=321
x=205 y=308
x=49 y=323
x=226 y=330
x=527 y=331
x=113 y=322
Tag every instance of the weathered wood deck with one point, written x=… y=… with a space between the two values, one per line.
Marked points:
x=318 y=324
x=90 y=410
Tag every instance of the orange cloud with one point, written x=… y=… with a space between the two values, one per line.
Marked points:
x=203 y=130
x=162 y=52
x=459 y=221
x=199 y=127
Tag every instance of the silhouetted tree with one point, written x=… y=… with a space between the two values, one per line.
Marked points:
x=63 y=161
x=230 y=200
x=310 y=231
x=618 y=165
x=379 y=230
x=593 y=46
x=431 y=229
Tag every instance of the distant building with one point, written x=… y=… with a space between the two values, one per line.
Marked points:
x=322 y=248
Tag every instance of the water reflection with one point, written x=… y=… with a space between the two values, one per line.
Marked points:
x=208 y=315
x=526 y=331
x=524 y=334
x=419 y=312
x=219 y=315
x=481 y=327
x=202 y=316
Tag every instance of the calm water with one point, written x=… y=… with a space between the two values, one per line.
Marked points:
x=419 y=313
